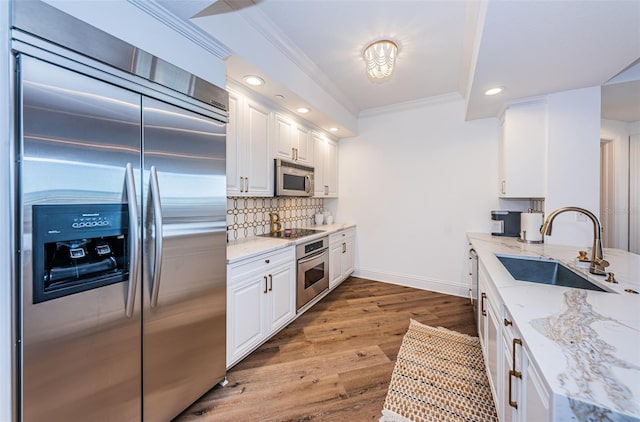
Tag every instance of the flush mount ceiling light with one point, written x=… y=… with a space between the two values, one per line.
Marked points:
x=380 y=58
x=333 y=129
x=254 y=80
x=493 y=91
x=303 y=110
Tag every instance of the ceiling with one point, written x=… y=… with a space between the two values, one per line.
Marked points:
x=462 y=48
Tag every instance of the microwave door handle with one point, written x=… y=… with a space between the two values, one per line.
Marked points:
x=154 y=191
x=307 y=184
x=134 y=240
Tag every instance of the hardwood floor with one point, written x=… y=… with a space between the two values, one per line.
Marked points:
x=333 y=363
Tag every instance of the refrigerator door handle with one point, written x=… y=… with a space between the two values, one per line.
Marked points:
x=134 y=240
x=157 y=221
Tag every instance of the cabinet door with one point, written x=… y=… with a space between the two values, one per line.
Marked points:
x=303 y=143
x=235 y=152
x=331 y=169
x=281 y=293
x=245 y=328
x=535 y=395
x=335 y=265
x=319 y=158
x=284 y=145
x=508 y=396
x=522 y=151
x=493 y=343
x=259 y=164
x=348 y=257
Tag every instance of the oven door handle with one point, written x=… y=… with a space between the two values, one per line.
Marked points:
x=313 y=256
x=154 y=191
x=134 y=240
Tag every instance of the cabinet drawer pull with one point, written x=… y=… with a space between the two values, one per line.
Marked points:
x=270 y=282
x=512 y=403
x=246 y=184
x=515 y=373
x=482 y=298
x=507 y=322
x=241 y=184
x=344 y=248
x=265 y=284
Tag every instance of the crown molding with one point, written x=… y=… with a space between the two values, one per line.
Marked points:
x=408 y=105
x=272 y=33
x=186 y=29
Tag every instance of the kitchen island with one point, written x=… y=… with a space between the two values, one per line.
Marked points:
x=582 y=347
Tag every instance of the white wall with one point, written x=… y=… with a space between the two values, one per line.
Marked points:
x=573 y=163
x=6 y=344
x=415 y=181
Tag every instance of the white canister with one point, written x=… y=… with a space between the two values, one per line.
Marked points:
x=530 y=224
x=319 y=218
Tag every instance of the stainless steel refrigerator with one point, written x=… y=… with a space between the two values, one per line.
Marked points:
x=121 y=205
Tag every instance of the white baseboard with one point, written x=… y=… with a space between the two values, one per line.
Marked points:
x=417 y=282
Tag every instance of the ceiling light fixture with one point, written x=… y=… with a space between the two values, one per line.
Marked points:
x=303 y=110
x=333 y=129
x=380 y=58
x=493 y=91
x=254 y=80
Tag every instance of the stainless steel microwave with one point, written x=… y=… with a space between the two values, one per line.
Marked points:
x=292 y=179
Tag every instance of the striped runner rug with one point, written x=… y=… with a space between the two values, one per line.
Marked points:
x=439 y=376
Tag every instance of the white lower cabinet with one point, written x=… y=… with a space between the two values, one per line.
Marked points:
x=518 y=390
x=537 y=398
x=261 y=294
x=488 y=329
x=341 y=256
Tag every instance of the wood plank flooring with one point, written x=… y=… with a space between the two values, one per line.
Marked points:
x=333 y=363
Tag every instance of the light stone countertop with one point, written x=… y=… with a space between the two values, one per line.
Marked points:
x=250 y=247
x=585 y=344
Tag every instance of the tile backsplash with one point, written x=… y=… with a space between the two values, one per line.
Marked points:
x=247 y=217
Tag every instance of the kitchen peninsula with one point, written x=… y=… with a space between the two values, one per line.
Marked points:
x=559 y=353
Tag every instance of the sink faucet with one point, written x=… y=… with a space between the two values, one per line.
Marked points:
x=598 y=264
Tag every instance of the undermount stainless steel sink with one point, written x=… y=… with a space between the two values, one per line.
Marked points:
x=545 y=271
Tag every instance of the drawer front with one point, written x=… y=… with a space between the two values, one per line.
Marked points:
x=262 y=263
x=341 y=236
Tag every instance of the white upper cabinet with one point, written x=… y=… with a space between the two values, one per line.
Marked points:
x=522 y=151
x=325 y=159
x=303 y=144
x=291 y=140
x=249 y=163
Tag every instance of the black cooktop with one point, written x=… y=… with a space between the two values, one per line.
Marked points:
x=291 y=233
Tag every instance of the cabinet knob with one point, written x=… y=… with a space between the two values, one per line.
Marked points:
x=266 y=261
x=507 y=322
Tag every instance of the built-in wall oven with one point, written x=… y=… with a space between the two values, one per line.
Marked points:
x=313 y=270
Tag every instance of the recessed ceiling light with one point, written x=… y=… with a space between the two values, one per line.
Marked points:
x=493 y=91
x=333 y=129
x=279 y=97
x=303 y=110
x=254 y=80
